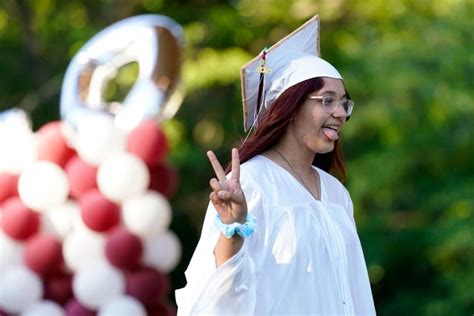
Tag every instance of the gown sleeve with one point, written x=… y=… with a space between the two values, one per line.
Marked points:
x=231 y=288
x=348 y=205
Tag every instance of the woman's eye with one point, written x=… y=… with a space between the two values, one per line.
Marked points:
x=345 y=104
x=328 y=101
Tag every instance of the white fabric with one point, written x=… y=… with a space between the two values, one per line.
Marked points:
x=297 y=68
x=304 y=258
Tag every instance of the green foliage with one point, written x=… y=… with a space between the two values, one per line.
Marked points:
x=409 y=147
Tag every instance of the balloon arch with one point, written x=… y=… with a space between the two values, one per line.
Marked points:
x=84 y=208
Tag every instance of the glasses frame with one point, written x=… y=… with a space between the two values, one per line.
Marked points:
x=322 y=99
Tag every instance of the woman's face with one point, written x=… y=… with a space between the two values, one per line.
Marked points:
x=314 y=126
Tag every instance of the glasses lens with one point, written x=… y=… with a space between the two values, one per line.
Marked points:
x=329 y=103
x=348 y=106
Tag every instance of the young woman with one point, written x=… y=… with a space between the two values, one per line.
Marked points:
x=279 y=236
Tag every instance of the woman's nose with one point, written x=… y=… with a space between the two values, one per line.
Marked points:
x=339 y=111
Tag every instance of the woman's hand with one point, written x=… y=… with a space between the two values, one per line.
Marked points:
x=227 y=195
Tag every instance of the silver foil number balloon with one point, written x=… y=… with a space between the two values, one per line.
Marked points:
x=155 y=42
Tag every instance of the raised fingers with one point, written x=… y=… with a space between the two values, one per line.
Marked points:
x=219 y=171
x=235 y=164
x=214 y=198
x=215 y=185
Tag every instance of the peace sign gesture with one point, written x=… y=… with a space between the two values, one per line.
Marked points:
x=227 y=195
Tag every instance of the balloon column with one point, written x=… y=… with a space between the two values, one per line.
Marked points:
x=84 y=209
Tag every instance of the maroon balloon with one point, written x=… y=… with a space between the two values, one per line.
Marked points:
x=18 y=221
x=8 y=186
x=82 y=177
x=74 y=308
x=147 y=284
x=3 y=313
x=160 y=308
x=163 y=179
x=123 y=249
x=52 y=145
x=148 y=142
x=43 y=254
x=58 y=288
x=98 y=213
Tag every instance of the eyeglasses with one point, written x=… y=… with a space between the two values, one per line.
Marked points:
x=330 y=103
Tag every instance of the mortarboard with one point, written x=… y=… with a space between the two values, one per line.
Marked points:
x=292 y=60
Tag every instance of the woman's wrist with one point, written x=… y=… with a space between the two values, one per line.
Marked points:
x=243 y=229
x=226 y=248
x=229 y=221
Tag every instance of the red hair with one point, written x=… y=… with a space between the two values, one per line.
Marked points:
x=273 y=124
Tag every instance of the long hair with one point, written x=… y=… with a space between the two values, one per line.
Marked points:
x=274 y=122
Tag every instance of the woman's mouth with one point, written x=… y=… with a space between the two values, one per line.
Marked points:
x=331 y=131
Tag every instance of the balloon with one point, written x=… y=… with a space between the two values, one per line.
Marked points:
x=98 y=213
x=160 y=309
x=122 y=176
x=148 y=142
x=147 y=214
x=18 y=221
x=95 y=285
x=154 y=42
x=52 y=144
x=74 y=308
x=83 y=248
x=44 y=308
x=11 y=252
x=163 y=179
x=97 y=138
x=123 y=249
x=82 y=177
x=43 y=185
x=20 y=288
x=59 y=220
x=43 y=254
x=162 y=251
x=147 y=284
x=58 y=288
x=17 y=141
x=8 y=186
x=122 y=305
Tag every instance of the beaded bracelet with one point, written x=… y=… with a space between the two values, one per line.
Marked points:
x=243 y=230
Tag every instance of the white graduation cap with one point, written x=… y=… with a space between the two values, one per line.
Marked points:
x=292 y=60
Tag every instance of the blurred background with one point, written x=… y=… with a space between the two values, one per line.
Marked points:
x=409 y=147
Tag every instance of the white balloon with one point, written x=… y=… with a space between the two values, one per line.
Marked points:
x=20 y=288
x=122 y=305
x=59 y=220
x=123 y=176
x=17 y=141
x=43 y=185
x=69 y=133
x=11 y=252
x=163 y=251
x=94 y=286
x=147 y=214
x=83 y=248
x=97 y=138
x=44 y=308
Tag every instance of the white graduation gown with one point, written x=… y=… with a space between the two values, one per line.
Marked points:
x=304 y=258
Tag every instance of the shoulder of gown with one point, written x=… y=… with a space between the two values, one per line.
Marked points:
x=260 y=175
x=336 y=192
